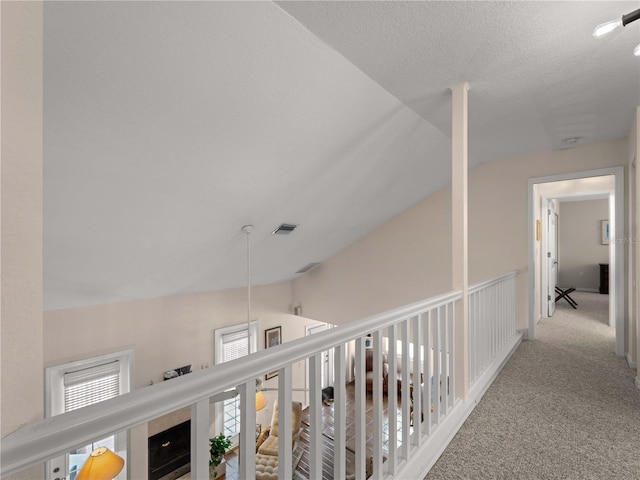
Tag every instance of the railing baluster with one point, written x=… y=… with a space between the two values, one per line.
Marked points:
x=426 y=400
x=339 y=407
x=315 y=417
x=452 y=354
x=200 y=421
x=404 y=328
x=360 y=407
x=392 y=399
x=417 y=394
x=285 y=455
x=444 y=391
x=377 y=406
x=436 y=364
x=247 y=430
x=472 y=336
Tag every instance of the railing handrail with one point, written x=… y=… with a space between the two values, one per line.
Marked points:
x=493 y=281
x=57 y=435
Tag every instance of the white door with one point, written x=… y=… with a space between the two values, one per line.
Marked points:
x=326 y=366
x=552 y=258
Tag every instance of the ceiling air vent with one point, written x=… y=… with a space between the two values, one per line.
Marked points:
x=308 y=267
x=284 y=229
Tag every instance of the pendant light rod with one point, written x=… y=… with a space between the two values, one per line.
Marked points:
x=247 y=229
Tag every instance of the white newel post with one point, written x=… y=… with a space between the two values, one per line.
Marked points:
x=459 y=227
x=200 y=420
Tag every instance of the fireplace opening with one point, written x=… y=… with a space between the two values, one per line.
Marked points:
x=170 y=452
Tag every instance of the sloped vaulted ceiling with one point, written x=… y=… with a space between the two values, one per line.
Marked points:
x=169 y=125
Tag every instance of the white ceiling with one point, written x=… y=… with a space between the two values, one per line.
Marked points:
x=168 y=126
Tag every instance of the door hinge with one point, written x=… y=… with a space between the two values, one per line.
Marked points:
x=549 y=298
x=548 y=254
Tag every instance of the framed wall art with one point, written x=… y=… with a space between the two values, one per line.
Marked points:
x=272 y=337
x=605 y=232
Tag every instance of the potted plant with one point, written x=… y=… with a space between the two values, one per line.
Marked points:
x=218 y=446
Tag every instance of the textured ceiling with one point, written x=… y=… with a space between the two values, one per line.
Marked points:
x=169 y=125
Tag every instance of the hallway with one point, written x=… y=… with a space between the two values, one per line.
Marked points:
x=564 y=407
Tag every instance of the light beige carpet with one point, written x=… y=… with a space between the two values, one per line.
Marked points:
x=564 y=407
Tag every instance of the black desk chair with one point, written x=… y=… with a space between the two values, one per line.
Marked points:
x=565 y=293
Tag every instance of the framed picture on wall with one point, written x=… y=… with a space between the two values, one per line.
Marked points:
x=272 y=337
x=605 y=232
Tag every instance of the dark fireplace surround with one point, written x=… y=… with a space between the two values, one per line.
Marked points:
x=170 y=452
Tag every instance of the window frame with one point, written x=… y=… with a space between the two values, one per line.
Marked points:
x=55 y=398
x=252 y=327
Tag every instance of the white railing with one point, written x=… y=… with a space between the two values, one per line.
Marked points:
x=492 y=322
x=419 y=340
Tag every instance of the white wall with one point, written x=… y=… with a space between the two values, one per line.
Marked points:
x=580 y=247
x=21 y=218
x=409 y=257
x=168 y=333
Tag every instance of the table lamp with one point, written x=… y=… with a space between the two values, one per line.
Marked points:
x=102 y=464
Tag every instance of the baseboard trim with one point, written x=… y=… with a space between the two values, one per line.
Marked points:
x=424 y=457
x=630 y=362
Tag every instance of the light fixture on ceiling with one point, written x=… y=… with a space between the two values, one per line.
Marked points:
x=608 y=27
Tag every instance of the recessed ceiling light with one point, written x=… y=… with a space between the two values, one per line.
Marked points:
x=284 y=229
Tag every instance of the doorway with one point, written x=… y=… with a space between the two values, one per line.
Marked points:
x=326 y=365
x=610 y=182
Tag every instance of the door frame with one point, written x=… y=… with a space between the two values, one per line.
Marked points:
x=330 y=369
x=546 y=243
x=616 y=249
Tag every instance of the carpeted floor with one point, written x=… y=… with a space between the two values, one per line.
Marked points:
x=564 y=407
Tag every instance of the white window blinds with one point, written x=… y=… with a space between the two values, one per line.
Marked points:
x=235 y=345
x=91 y=385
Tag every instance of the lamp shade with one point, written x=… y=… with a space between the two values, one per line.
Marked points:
x=102 y=464
x=261 y=401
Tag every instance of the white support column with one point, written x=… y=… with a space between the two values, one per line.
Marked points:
x=339 y=417
x=285 y=455
x=459 y=224
x=360 y=409
x=247 y=430
x=22 y=338
x=315 y=416
x=200 y=422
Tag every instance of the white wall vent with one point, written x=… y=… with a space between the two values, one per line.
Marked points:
x=284 y=229
x=308 y=267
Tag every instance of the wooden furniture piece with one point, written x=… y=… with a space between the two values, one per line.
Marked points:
x=565 y=293
x=604 y=278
